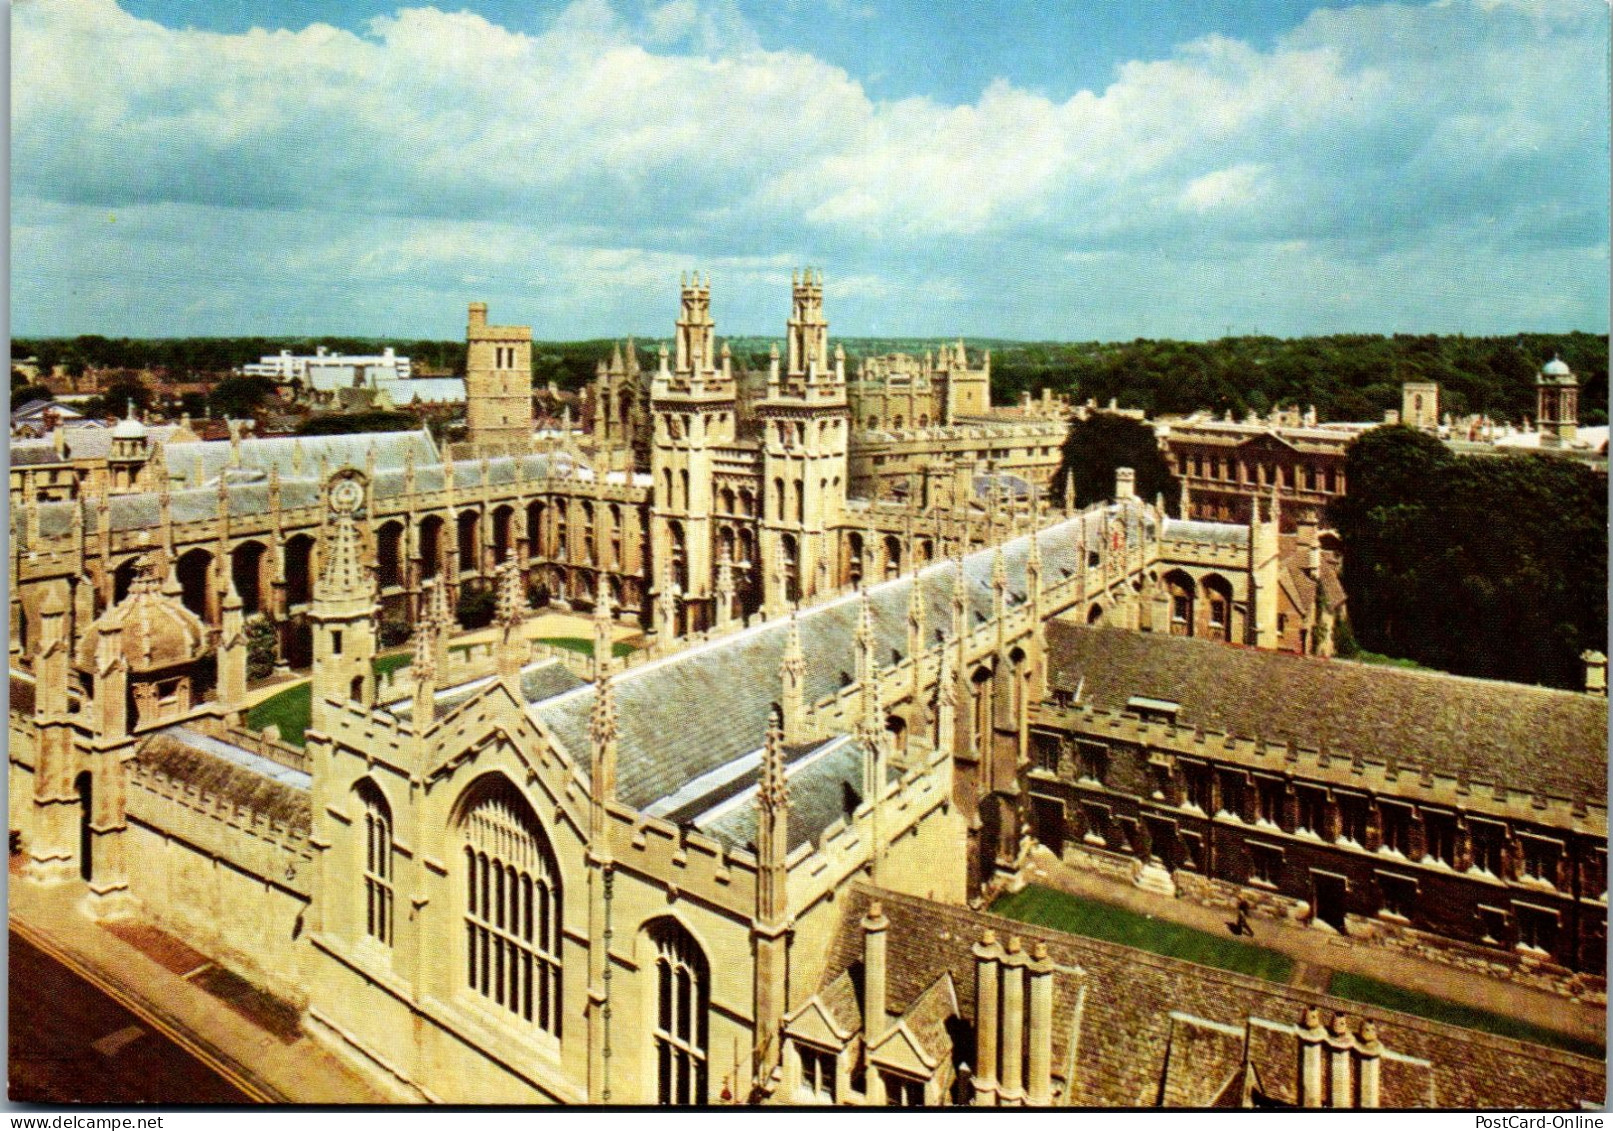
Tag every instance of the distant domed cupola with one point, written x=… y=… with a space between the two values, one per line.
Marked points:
x=1557 y=404
x=131 y=448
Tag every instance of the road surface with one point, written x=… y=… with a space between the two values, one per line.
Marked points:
x=71 y=1042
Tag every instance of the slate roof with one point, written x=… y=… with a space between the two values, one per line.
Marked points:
x=542 y=680
x=350 y=450
x=1132 y=1007
x=685 y=715
x=82 y=443
x=825 y=782
x=1512 y=734
x=1216 y=533
x=249 y=488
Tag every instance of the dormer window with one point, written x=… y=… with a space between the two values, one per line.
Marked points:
x=1153 y=710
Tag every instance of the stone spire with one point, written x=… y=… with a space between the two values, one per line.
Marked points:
x=604 y=622
x=792 y=677
x=512 y=645
x=424 y=665
x=772 y=826
x=343 y=580
x=232 y=649
x=725 y=589
x=442 y=617
x=960 y=601
x=999 y=583
x=915 y=619
x=602 y=737
x=667 y=608
x=946 y=702
x=865 y=637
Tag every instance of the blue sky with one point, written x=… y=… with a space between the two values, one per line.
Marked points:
x=1072 y=171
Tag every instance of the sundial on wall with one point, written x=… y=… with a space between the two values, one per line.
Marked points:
x=346 y=497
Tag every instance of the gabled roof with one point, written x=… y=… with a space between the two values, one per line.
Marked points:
x=702 y=708
x=1520 y=736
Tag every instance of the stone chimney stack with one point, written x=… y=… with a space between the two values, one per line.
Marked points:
x=1595 y=673
x=1125 y=483
x=875 y=1020
x=1039 y=1082
x=1013 y=1025
x=1311 y=1038
x=988 y=956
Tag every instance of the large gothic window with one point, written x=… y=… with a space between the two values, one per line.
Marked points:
x=512 y=909
x=378 y=894
x=682 y=991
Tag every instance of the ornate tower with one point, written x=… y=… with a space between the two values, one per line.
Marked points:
x=805 y=430
x=498 y=383
x=1557 y=396
x=344 y=608
x=695 y=404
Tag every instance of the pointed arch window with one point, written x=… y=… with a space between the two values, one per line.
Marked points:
x=682 y=993
x=512 y=910
x=378 y=889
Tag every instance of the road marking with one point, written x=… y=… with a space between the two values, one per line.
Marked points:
x=255 y=1092
x=189 y=974
x=114 y=1043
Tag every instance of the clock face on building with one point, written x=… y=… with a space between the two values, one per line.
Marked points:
x=346 y=497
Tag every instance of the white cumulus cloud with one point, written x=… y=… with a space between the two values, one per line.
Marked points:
x=1465 y=140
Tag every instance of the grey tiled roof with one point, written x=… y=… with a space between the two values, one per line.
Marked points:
x=823 y=790
x=249 y=488
x=1524 y=737
x=701 y=708
x=349 y=450
x=1216 y=533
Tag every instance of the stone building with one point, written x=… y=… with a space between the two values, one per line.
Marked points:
x=508 y=874
x=1224 y=466
x=1406 y=809
x=1557 y=404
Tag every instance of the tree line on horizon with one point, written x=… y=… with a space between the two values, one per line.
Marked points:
x=1343 y=376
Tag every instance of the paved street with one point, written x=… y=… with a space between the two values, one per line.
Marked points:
x=71 y=1042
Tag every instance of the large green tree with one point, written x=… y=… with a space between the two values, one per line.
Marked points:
x=239 y=397
x=1100 y=444
x=1486 y=566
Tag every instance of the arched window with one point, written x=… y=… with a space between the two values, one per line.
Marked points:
x=512 y=909
x=682 y=991
x=377 y=864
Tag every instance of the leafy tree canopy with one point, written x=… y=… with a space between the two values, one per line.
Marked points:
x=1485 y=566
x=1100 y=444
x=337 y=423
x=240 y=397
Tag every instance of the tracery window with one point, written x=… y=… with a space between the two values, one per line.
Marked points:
x=378 y=893
x=512 y=910
x=682 y=991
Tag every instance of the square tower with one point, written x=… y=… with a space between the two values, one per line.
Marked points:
x=1419 y=405
x=498 y=383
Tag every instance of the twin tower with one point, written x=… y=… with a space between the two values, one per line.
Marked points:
x=748 y=484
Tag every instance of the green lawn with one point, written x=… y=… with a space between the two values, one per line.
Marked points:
x=1061 y=911
x=386 y=664
x=1370 y=991
x=289 y=710
x=586 y=647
